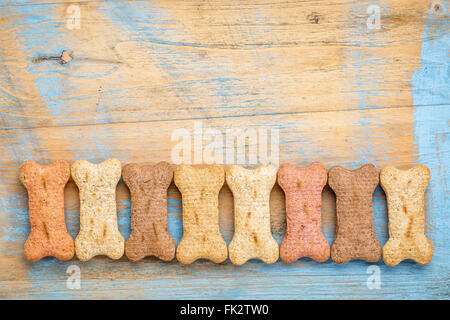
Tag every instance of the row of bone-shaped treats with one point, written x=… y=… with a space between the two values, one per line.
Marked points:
x=200 y=186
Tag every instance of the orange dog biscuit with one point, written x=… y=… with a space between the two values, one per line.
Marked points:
x=148 y=187
x=252 y=235
x=303 y=189
x=45 y=185
x=200 y=188
x=405 y=193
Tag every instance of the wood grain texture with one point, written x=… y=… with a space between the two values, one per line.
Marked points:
x=337 y=92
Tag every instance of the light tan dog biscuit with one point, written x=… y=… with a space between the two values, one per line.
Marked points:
x=99 y=233
x=199 y=189
x=405 y=193
x=45 y=185
x=252 y=235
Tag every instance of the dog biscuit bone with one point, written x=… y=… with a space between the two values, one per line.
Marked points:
x=252 y=235
x=303 y=189
x=148 y=187
x=355 y=238
x=199 y=189
x=45 y=185
x=405 y=193
x=99 y=233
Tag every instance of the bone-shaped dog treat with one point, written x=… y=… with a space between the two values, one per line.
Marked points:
x=99 y=233
x=355 y=238
x=405 y=191
x=45 y=185
x=252 y=235
x=199 y=189
x=148 y=187
x=303 y=190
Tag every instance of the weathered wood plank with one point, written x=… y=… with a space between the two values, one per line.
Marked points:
x=337 y=93
x=321 y=139
x=148 y=60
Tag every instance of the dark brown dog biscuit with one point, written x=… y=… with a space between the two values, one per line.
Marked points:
x=148 y=187
x=303 y=189
x=45 y=185
x=355 y=238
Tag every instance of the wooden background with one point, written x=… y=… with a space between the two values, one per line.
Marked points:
x=337 y=91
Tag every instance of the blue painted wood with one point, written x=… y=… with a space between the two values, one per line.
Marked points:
x=44 y=34
x=431 y=85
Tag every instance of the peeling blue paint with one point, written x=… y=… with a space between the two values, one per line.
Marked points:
x=303 y=279
x=431 y=89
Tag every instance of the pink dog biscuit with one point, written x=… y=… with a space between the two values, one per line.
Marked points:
x=45 y=185
x=199 y=189
x=252 y=234
x=355 y=238
x=148 y=187
x=303 y=189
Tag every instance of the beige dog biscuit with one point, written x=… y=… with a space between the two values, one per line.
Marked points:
x=99 y=233
x=148 y=187
x=252 y=235
x=199 y=189
x=405 y=191
x=45 y=185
